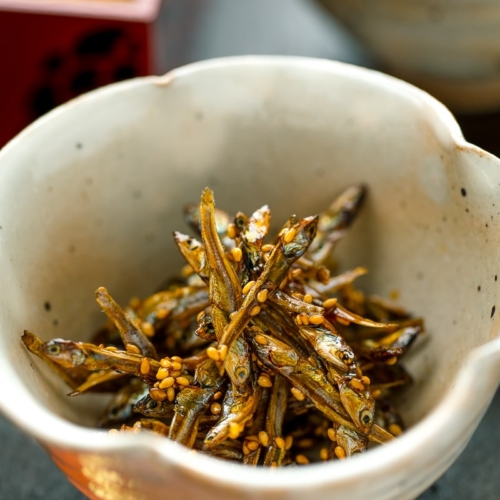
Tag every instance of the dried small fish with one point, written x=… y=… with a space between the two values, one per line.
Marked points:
x=255 y=353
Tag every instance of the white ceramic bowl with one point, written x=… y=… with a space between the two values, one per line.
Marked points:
x=451 y=49
x=90 y=195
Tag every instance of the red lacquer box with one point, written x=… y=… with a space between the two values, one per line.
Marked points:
x=53 y=50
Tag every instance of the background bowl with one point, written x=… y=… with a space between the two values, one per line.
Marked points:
x=91 y=193
x=451 y=49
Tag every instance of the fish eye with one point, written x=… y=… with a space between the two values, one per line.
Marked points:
x=115 y=410
x=241 y=372
x=239 y=222
x=347 y=358
x=152 y=405
x=366 y=417
x=53 y=349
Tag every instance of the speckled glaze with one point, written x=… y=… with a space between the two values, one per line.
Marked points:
x=90 y=195
x=449 y=48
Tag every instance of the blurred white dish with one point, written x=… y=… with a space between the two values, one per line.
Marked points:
x=451 y=49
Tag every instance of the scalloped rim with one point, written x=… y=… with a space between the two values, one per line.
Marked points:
x=54 y=430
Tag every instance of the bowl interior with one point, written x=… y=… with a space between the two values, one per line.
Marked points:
x=91 y=194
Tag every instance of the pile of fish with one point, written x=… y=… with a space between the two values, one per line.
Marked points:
x=256 y=352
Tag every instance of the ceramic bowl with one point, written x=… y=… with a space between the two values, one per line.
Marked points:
x=448 y=48
x=90 y=195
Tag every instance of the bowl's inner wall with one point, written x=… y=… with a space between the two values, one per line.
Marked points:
x=91 y=196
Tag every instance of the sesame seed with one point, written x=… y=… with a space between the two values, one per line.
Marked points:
x=316 y=319
x=215 y=408
x=280 y=443
x=233 y=315
x=147 y=329
x=366 y=380
x=376 y=393
x=260 y=339
x=162 y=313
x=113 y=431
x=305 y=443
x=213 y=353
x=248 y=287
x=133 y=349
x=145 y=366
x=340 y=452
x=267 y=247
x=297 y=295
x=274 y=464
x=134 y=302
x=182 y=381
x=289 y=235
x=111 y=348
x=323 y=275
x=171 y=394
x=234 y=430
x=176 y=359
x=162 y=373
x=298 y=320
x=391 y=361
x=357 y=384
x=288 y=442
x=264 y=381
x=264 y=438
x=157 y=394
x=254 y=311
x=237 y=254
x=301 y=459
x=329 y=303
x=175 y=374
x=165 y=363
x=304 y=319
x=167 y=382
x=231 y=231
x=262 y=295
x=176 y=365
x=395 y=429
x=253 y=445
x=342 y=321
x=246 y=449
x=323 y=454
x=308 y=298
x=296 y=272
x=218 y=395
x=186 y=271
x=332 y=435
x=298 y=394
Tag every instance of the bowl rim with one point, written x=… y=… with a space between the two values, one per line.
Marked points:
x=53 y=430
